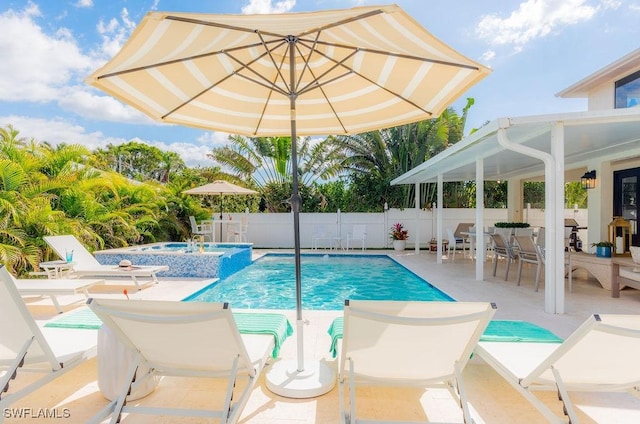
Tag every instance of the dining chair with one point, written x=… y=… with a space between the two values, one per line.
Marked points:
x=502 y=249
x=238 y=232
x=528 y=252
x=454 y=242
x=200 y=229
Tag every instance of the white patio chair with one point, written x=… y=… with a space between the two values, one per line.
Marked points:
x=238 y=232
x=189 y=339
x=455 y=242
x=321 y=234
x=408 y=344
x=600 y=356
x=358 y=234
x=27 y=350
x=201 y=230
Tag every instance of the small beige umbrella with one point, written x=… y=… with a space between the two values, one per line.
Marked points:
x=328 y=72
x=219 y=188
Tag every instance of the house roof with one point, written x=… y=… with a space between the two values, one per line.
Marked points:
x=614 y=71
x=601 y=135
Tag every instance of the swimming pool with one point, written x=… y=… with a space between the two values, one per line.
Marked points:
x=327 y=280
x=216 y=260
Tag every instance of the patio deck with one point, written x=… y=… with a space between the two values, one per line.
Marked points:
x=492 y=399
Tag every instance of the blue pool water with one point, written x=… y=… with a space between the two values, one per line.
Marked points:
x=269 y=283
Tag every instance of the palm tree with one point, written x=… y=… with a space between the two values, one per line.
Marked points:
x=377 y=157
x=265 y=163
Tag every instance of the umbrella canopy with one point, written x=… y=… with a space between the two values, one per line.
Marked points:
x=218 y=188
x=353 y=71
x=328 y=72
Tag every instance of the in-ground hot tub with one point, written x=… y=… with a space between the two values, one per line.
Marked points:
x=214 y=260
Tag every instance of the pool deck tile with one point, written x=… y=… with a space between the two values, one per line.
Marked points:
x=492 y=399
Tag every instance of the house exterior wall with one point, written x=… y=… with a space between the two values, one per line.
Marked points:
x=602 y=97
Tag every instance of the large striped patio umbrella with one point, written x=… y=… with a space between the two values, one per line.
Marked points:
x=317 y=73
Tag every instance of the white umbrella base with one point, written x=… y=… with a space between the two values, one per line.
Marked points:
x=284 y=379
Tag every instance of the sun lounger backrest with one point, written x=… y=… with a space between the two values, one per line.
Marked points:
x=604 y=350
x=405 y=341
x=17 y=327
x=82 y=258
x=198 y=336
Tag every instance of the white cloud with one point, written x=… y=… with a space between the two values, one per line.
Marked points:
x=56 y=131
x=267 y=6
x=536 y=19
x=84 y=3
x=114 y=34
x=35 y=65
x=80 y=100
x=213 y=139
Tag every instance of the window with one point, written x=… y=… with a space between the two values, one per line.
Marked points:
x=628 y=91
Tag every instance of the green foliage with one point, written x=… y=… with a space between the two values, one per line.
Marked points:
x=602 y=244
x=512 y=225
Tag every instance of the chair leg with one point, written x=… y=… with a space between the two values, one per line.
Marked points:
x=519 y=271
x=537 y=275
x=506 y=274
x=495 y=264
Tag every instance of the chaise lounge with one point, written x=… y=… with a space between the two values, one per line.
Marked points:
x=27 y=349
x=85 y=264
x=408 y=344
x=599 y=357
x=185 y=339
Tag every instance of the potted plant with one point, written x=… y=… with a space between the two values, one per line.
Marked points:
x=399 y=236
x=603 y=248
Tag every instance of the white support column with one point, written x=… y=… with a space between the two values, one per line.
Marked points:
x=554 y=211
x=440 y=185
x=417 y=208
x=554 y=183
x=480 y=249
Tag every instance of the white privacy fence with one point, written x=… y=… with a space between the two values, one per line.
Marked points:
x=275 y=230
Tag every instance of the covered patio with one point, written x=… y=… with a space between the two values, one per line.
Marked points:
x=557 y=148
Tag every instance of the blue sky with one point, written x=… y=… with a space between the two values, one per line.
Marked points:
x=536 y=48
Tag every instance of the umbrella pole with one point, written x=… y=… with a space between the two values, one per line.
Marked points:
x=317 y=378
x=220 y=217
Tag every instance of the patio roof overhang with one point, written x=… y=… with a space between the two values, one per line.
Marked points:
x=527 y=147
x=601 y=135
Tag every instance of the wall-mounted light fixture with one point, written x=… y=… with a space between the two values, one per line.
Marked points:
x=588 y=180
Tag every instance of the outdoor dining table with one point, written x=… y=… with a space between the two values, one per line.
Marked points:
x=471 y=235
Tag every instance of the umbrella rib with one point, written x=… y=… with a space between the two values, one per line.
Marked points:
x=173 y=61
x=398 y=55
x=247 y=66
x=275 y=65
x=351 y=70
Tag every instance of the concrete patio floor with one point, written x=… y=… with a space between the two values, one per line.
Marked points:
x=492 y=399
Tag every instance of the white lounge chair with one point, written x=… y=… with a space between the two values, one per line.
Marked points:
x=408 y=344
x=54 y=287
x=85 y=264
x=25 y=348
x=601 y=356
x=192 y=339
